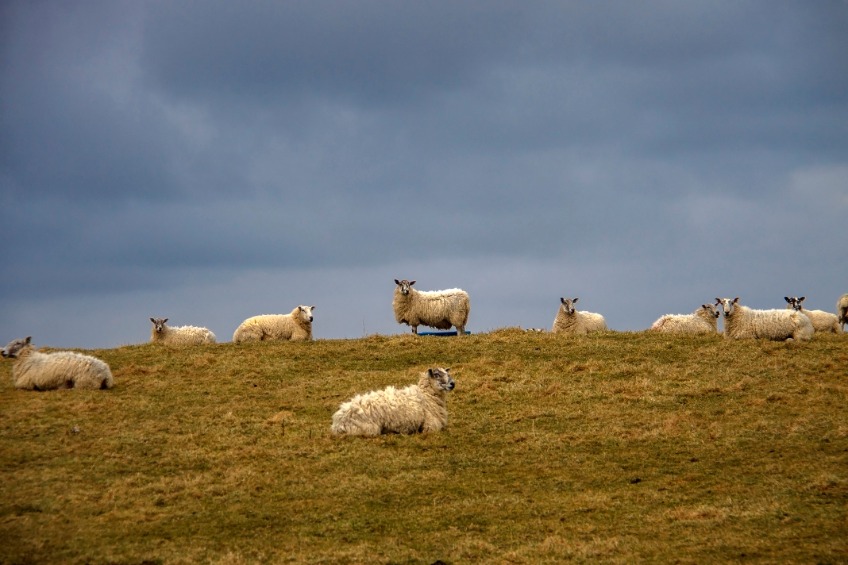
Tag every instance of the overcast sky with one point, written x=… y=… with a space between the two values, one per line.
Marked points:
x=207 y=161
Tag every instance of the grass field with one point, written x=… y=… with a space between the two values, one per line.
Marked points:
x=617 y=447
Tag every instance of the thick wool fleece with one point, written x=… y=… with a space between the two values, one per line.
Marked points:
x=417 y=408
x=294 y=326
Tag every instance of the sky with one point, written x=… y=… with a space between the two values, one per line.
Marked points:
x=207 y=161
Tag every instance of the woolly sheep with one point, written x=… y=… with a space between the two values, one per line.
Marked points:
x=703 y=320
x=179 y=335
x=743 y=322
x=417 y=408
x=437 y=309
x=823 y=322
x=34 y=370
x=842 y=310
x=569 y=321
x=294 y=326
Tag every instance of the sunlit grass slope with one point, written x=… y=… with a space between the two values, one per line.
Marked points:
x=617 y=447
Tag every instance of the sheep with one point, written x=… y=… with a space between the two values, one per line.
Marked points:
x=34 y=370
x=743 y=322
x=179 y=335
x=294 y=326
x=823 y=322
x=703 y=320
x=842 y=310
x=437 y=309
x=569 y=321
x=416 y=408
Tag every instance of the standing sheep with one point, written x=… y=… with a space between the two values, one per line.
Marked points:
x=437 y=309
x=179 y=335
x=704 y=320
x=34 y=370
x=842 y=310
x=743 y=322
x=569 y=321
x=294 y=326
x=823 y=322
x=416 y=408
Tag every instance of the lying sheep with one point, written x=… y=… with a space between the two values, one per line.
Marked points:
x=294 y=326
x=743 y=322
x=823 y=322
x=416 y=408
x=704 y=320
x=437 y=309
x=179 y=335
x=842 y=310
x=569 y=321
x=34 y=370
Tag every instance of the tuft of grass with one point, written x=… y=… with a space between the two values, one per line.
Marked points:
x=617 y=447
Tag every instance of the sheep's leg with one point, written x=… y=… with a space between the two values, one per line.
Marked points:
x=415 y=330
x=460 y=330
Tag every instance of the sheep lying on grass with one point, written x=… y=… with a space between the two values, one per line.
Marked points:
x=704 y=320
x=179 y=335
x=842 y=310
x=823 y=322
x=416 y=408
x=437 y=309
x=569 y=321
x=743 y=322
x=294 y=326
x=34 y=370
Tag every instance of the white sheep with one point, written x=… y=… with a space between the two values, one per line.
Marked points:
x=704 y=320
x=842 y=310
x=743 y=322
x=179 y=335
x=34 y=370
x=294 y=326
x=437 y=309
x=569 y=321
x=823 y=322
x=416 y=408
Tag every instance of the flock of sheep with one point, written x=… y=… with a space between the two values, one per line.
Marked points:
x=419 y=407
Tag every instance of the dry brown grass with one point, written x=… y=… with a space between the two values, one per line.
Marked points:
x=618 y=447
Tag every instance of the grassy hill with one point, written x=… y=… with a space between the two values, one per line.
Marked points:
x=618 y=447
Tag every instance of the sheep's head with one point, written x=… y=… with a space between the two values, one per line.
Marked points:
x=159 y=324
x=568 y=305
x=404 y=286
x=440 y=378
x=710 y=310
x=14 y=347
x=305 y=313
x=795 y=302
x=727 y=305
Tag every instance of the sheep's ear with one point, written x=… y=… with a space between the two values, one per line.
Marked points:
x=313 y=307
x=787 y=299
x=430 y=373
x=411 y=283
x=575 y=301
x=561 y=299
x=735 y=300
x=152 y=320
x=28 y=339
x=802 y=299
x=165 y=320
x=397 y=282
x=718 y=300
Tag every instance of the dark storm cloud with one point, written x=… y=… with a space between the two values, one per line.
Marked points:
x=153 y=153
